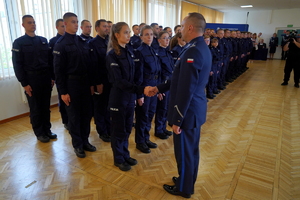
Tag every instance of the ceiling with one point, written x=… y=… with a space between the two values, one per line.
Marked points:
x=230 y=5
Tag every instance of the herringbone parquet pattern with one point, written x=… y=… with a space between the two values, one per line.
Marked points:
x=250 y=149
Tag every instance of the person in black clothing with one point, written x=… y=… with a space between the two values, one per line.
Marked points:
x=261 y=44
x=101 y=96
x=155 y=43
x=292 y=61
x=30 y=57
x=273 y=44
x=60 y=27
x=75 y=80
x=86 y=28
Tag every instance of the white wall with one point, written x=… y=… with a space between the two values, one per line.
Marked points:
x=265 y=21
x=11 y=103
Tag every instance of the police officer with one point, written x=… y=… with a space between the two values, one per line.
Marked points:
x=169 y=31
x=221 y=47
x=135 y=40
x=101 y=96
x=74 y=79
x=148 y=62
x=125 y=78
x=176 y=46
x=60 y=27
x=109 y=25
x=167 y=66
x=228 y=39
x=177 y=29
x=188 y=104
x=30 y=56
x=86 y=28
x=155 y=43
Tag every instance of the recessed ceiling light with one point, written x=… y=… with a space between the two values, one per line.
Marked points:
x=247 y=6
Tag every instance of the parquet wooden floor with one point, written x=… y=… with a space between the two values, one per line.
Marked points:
x=250 y=149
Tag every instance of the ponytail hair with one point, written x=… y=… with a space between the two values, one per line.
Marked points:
x=174 y=40
x=113 y=42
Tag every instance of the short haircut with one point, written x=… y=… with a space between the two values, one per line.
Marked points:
x=206 y=36
x=98 y=22
x=161 y=33
x=166 y=28
x=214 y=40
x=134 y=26
x=197 y=20
x=145 y=28
x=57 y=22
x=226 y=30
x=153 y=24
x=85 y=20
x=109 y=22
x=26 y=16
x=160 y=26
x=68 y=15
x=142 y=24
x=207 y=29
x=176 y=27
x=220 y=30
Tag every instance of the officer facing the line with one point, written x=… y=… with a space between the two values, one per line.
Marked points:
x=30 y=56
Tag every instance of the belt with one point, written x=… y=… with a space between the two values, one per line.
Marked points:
x=154 y=77
x=77 y=77
x=37 y=72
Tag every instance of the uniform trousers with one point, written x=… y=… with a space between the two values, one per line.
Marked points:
x=79 y=111
x=144 y=116
x=224 y=71
x=187 y=154
x=121 y=125
x=161 y=113
x=62 y=109
x=101 y=113
x=39 y=102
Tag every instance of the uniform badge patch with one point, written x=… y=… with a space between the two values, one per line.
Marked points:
x=190 y=60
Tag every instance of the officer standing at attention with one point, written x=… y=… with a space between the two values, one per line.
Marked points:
x=125 y=78
x=109 y=25
x=101 y=95
x=60 y=27
x=74 y=79
x=221 y=47
x=176 y=46
x=167 y=66
x=169 y=31
x=135 y=40
x=148 y=62
x=155 y=43
x=188 y=104
x=86 y=28
x=30 y=57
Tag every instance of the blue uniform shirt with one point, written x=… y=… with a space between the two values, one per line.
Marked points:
x=176 y=51
x=99 y=45
x=87 y=38
x=216 y=58
x=30 y=54
x=188 y=103
x=72 y=56
x=135 y=41
x=166 y=63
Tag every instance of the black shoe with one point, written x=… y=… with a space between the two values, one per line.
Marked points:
x=162 y=136
x=174 y=179
x=173 y=190
x=296 y=85
x=210 y=96
x=123 y=166
x=131 y=161
x=43 y=138
x=89 y=147
x=169 y=133
x=66 y=126
x=79 y=152
x=143 y=147
x=216 y=91
x=51 y=135
x=151 y=145
x=284 y=83
x=105 y=138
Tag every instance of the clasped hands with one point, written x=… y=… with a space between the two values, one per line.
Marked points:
x=150 y=91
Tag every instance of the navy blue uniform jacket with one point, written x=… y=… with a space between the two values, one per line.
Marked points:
x=188 y=104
